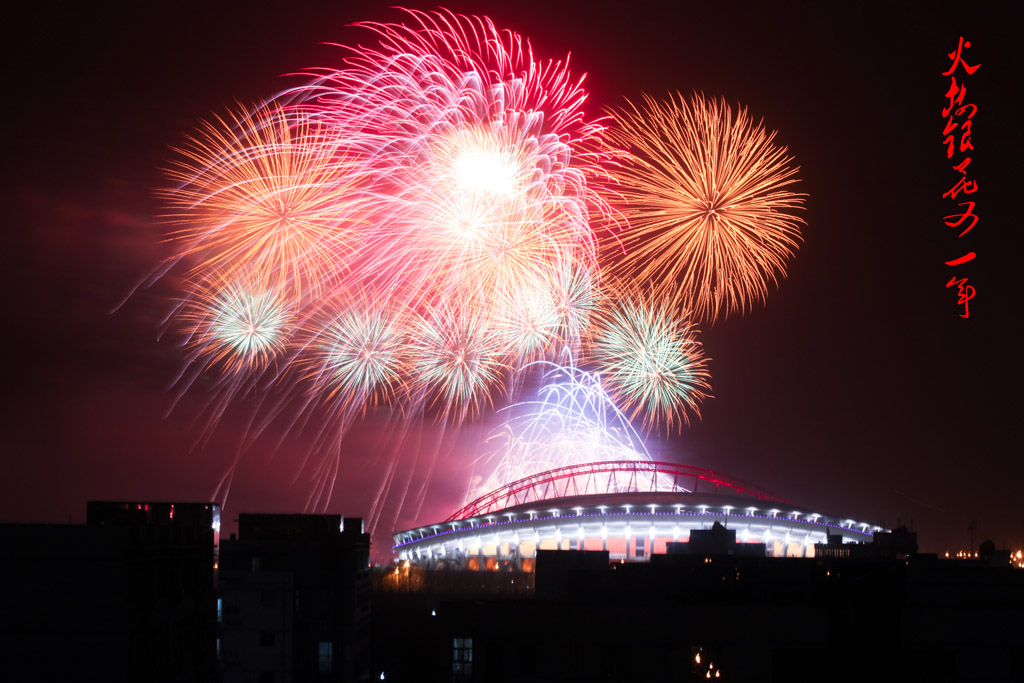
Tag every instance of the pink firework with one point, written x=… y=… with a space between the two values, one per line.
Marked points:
x=483 y=160
x=407 y=231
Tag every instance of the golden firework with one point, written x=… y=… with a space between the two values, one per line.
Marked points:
x=710 y=212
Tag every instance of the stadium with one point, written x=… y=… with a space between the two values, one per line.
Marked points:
x=632 y=509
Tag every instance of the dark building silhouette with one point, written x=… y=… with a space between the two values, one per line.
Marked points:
x=295 y=595
x=683 y=616
x=653 y=571
x=898 y=544
x=132 y=596
x=129 y=596
x=714 y=542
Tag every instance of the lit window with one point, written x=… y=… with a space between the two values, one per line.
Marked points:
x=462 y=659
x=326 y=657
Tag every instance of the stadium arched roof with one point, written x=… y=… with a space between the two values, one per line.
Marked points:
x=618 y=476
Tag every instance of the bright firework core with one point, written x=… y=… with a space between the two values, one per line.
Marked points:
x=249 y=323
x=486 y=171
x=413 y=229
x=712 y=217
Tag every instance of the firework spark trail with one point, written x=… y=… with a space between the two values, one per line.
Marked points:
x=416 y=231
x=348 y=357
x=572 y=421
x=650 y=359
x=235 y=322
x=356 y=355
x=444 y=169
x=482 y=156
x=710 y=212
x=457 y=361
x=266 y=189
x=236 y=333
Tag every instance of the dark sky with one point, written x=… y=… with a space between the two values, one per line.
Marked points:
x=856 y=390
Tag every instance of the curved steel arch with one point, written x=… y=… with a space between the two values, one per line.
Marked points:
x=580 y=480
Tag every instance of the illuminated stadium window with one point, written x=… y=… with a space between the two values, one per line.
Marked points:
x=326 y=657
x=462 y=659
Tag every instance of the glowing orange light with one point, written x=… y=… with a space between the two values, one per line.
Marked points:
x=708 y=203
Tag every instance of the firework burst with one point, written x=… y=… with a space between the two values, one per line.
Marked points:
x=572 y=421
x=458 y=363
x=483 y=162
x=709 y=205
x=266 y=189
x=238 y=324
x=445 y=170
x=417 y=229
x=651 y=360
x=358 y=359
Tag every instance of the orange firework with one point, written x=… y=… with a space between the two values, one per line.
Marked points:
x=266 y=189
x=709 y=209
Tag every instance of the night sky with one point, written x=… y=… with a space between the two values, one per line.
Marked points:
x=857 y=390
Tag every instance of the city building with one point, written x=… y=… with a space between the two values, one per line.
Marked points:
x=633 y=571
x=129 y=596
x=295 y=599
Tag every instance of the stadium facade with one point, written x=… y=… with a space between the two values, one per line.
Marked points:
x=632 y=509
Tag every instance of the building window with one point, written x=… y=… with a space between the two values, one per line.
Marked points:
x=462 y=659
x=326 y=657
x=266 y=639
x=220 y=610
